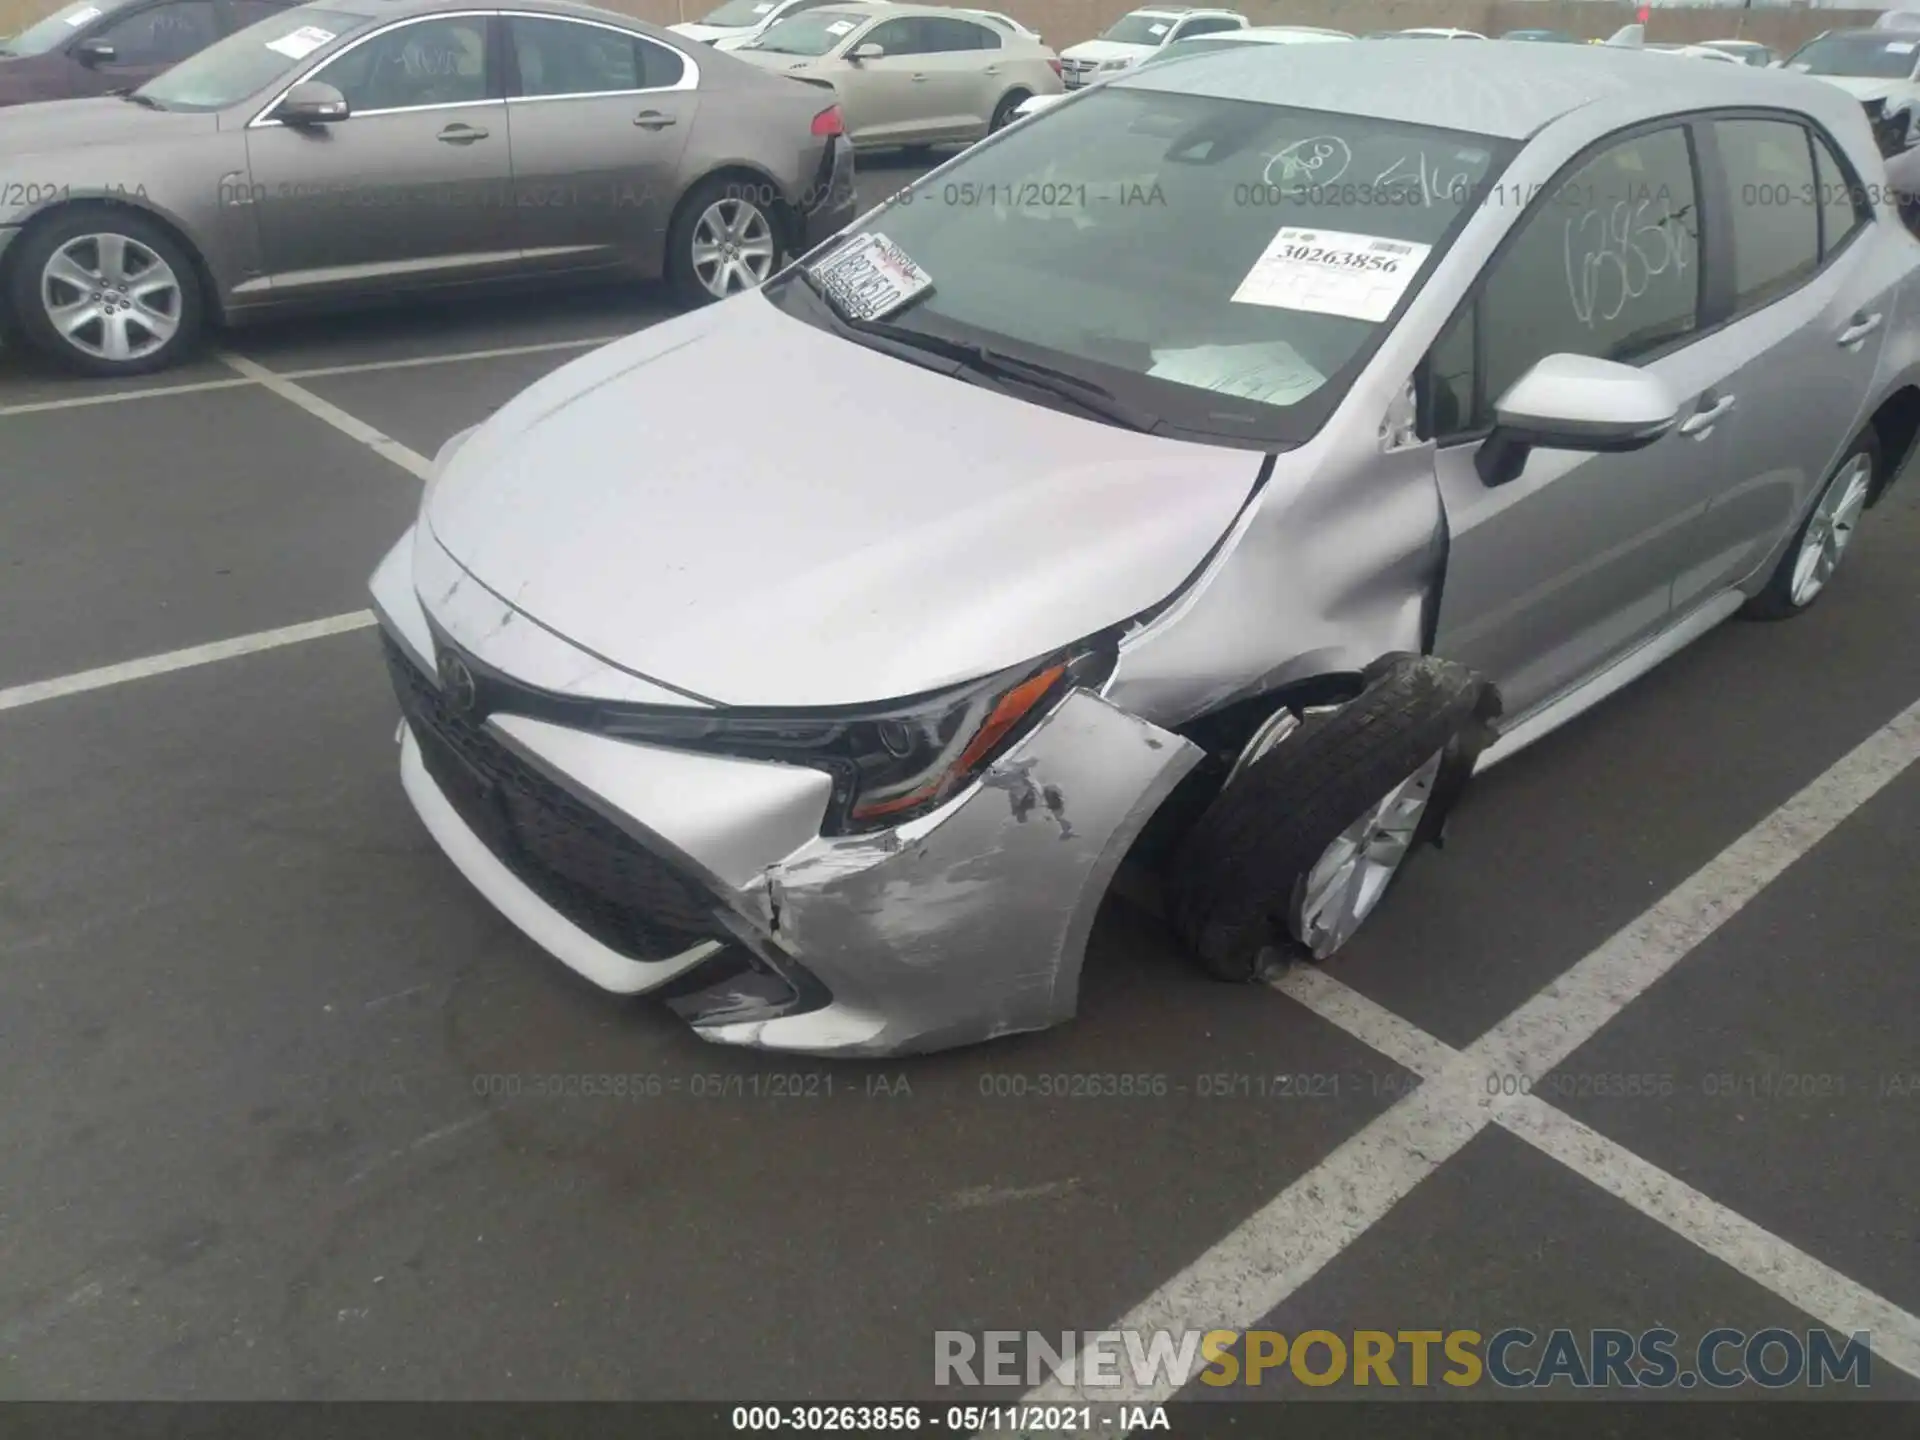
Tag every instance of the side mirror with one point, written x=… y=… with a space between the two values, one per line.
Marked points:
x=1575 y=402
x=868 y=51
x=95 y=52
x=312 y=102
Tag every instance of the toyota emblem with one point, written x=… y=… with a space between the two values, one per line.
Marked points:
x=457 y=681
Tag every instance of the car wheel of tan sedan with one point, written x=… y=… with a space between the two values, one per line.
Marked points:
x=105 y=291
x=724 y=240
x=1008 y=107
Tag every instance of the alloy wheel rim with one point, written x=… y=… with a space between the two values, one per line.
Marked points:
x=1346 y=882
x=733 y=247
x=1830 y=531
x=111 y=297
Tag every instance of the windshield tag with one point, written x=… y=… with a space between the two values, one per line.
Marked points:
x=762 y=9
x=870 y=277
x=81 y=17
x=301 y=43
x=1332 y=272
x=1901 y=47
x=1156 y=29
x=841 y=27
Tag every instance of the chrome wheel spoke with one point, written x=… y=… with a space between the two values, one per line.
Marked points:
x=1830 y=530
x=1351 y=875
x=77 y=316
x=113 y=257
x=64 y=270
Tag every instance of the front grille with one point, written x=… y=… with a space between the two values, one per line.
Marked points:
x=573 y=858
x=1076 y=72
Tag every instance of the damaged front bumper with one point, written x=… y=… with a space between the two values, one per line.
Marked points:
x=706 y=881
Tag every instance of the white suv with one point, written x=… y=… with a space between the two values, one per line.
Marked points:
x=1136 y=35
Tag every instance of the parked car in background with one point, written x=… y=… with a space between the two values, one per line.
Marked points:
x=1898 y=20
x=1879 y=68
x=1551 y=37
x=382 y=147
x=1431 y=32
x=910 y=75
x=1136 y=35
x=92 y=47
x=1696 y=52
x=739 y=21
x=1747 y=52
x=1230 y=537
x=1209 y=44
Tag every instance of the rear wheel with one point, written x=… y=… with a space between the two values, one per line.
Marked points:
x=1804 y=572
x=1305 y=839
x=103 y=290
x=1004 y=111
x=725 y=239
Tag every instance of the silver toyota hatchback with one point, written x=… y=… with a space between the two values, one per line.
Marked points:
x=1177 y=475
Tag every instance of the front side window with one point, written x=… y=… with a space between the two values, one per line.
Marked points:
x=903 y=37
x=1776 y=224
x=1861 y=56
x=1227 y=265
x=162 y=34
x=430 y=62
x=1607 y=264
x=949 y=35
x=269 y=53
x=1209 y=26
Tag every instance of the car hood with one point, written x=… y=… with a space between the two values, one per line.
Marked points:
x=755 y=511
x=709 y=32
x=57 y=125
x=1867 y=87
x=1105 y=50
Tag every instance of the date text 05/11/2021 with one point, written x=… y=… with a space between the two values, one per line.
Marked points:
x=1009 y=1420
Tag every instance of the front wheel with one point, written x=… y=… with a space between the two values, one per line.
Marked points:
x=724 y=240
x=1301 y=845
x=105 y=291
x=1804 y=572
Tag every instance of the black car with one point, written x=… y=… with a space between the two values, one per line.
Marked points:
x=94 y=47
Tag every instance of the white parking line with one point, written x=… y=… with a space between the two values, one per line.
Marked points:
x=1254 y=1270
x=505 y=352
x=409 y=460
x=114 y=397
x=186 y=659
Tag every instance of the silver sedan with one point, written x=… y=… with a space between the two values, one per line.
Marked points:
x=1233 y=480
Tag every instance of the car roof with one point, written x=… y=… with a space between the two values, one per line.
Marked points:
x=1495 y=90
x=376 y=10
x=1184 y=11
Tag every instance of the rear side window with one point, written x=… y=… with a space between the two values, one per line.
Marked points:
x=1843 y=207
x=940 y=36
x=1607 y=265
x=1776 y=209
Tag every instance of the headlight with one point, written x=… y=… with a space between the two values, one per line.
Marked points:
x=889 y=764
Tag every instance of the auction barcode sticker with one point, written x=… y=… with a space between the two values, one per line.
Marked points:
x=870 y=277
x=1332 y=272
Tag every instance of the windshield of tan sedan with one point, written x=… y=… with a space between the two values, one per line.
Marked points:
x=249 y=61
x=1861 y=56
x=1224 y=265
x=814 y=33
x=54 y=31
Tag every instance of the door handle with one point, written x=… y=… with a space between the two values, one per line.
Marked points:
x=1863 y=325
x=991 y=70
x=653 y=120
x=1701 y=421
x=461 y=135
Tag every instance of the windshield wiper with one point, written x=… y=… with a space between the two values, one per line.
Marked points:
x=1088 y=395
x=134 y=97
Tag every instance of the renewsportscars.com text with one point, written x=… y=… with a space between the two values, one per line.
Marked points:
x=1511 y=1358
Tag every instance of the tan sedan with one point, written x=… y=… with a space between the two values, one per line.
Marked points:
x=911 y=75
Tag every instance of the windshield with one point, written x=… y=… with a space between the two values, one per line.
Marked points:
x=1856 y=55
x=1223 y=265
x=737 y=14
x=247 y=61
x=52 y=32
x=1139 y=29
x=814 y=33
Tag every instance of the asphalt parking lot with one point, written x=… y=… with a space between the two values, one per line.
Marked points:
x=257 y=1139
